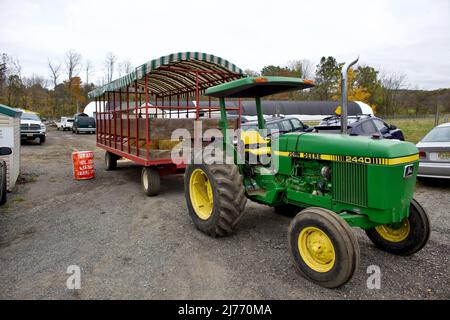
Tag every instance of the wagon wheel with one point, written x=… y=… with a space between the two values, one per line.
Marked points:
x=151 y=181
x=404 y=238
x=110 y=161
x=323 y=247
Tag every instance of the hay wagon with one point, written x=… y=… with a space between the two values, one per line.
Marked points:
x=137 y=114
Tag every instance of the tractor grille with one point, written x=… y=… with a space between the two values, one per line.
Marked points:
x=350 y=183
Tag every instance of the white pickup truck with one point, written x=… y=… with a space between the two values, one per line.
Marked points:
x=65 y=123
x=31 y=127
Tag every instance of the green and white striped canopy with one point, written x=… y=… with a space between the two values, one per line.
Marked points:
x=179 y=79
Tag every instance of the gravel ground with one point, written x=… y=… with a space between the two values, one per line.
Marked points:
x=129 y=246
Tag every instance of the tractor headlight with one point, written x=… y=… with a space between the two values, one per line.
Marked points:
x=326 y=172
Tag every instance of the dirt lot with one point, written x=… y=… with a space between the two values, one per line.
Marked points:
x=130 y=246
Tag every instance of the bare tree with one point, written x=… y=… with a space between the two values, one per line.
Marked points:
x=391 y=84
x=303 y=67
x=110 y=63
x=73 y=63
x=55 y=72
x=307 y=69
x=88 y=68
x=125 y=67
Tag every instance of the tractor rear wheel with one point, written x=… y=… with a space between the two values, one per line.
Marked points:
x=323 y=247
x=215 y=197
x=405 y=238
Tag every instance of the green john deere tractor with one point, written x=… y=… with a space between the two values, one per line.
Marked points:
x=330 y=182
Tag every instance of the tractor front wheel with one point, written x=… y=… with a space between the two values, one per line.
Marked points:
x=215 y=197
x=404 y=238
x=323 y=247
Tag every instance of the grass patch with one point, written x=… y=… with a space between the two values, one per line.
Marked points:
x=413 y=129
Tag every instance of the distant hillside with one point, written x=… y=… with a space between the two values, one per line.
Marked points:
x=418 y=102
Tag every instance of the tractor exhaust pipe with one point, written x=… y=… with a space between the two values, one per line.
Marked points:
x=344 y=96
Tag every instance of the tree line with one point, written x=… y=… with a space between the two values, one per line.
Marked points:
x=386 y=92
x=64 y=90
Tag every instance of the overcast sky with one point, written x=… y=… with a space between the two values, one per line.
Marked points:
x=410 y=36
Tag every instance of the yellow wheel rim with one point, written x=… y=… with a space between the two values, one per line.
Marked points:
x=395 y=233
x=316 y=249
x=201 y=194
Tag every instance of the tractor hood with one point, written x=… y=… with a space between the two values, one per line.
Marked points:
x=345 y=145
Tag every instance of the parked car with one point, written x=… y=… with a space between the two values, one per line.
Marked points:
x=275 y=126
x=279 y=125
x=31 y=127
x=65 y=123
x=434 y=153
x=83 y=123
x=361 y=125
x=4 y=151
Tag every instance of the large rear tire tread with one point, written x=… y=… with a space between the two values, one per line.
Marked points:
x=419 y=222
x=344 y=242
x=229 y=199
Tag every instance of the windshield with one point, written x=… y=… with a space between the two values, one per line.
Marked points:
x=30 y=116
x=86 y=121
x=441 y=134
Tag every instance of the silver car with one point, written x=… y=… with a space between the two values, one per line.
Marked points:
x=434 y=153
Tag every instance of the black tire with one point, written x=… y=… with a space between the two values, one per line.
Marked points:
x=287 y=210
x=57 y=128
x=3 y=183
x=417 y=233
x=151 y=181
x=110 y=161
x=42 y=139
x=343 y=248
x=228 y=198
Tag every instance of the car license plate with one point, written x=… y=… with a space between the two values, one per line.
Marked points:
x=29 y=134
x=443 y=155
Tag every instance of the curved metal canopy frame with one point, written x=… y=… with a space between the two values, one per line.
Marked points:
x=175 y=74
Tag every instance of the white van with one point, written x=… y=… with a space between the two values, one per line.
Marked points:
x=65 y=123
